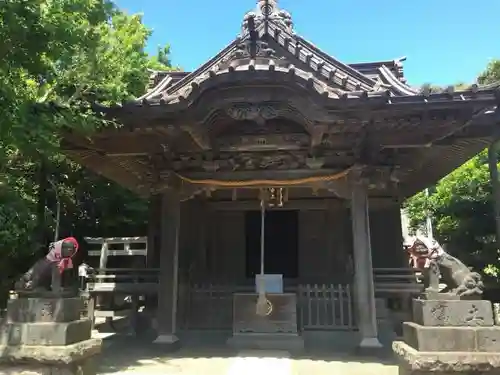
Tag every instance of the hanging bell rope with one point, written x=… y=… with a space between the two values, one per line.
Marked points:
x=264 y=307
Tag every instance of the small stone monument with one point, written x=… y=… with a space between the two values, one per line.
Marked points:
x=43 y=332
x=453 y=331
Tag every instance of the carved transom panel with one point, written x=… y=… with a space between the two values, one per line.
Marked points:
x=259 y=113
x=263 y=142
x=251 y=127
x=244 y=161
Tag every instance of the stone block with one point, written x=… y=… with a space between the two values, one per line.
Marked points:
x=488 y=339
x=50 y=355
x=496 y=313
x=49 y=334
x=460 y=313
x=439 y=339
x=436 y=295
x=452 y=339
x=414 y=362
x=31 y=310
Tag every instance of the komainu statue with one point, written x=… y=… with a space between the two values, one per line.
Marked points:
x=47 y=273
x=459 y=279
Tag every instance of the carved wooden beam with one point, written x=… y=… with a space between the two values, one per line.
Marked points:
x=126 y=175
x=199 y=135
x=413 y=136
x=294 y=204
x=127 y=144
x=416 y=141
x=317 y=135
x=148 y=142
x=470 y=132
x=170 y=180
x=71 y=140
x=321 y=203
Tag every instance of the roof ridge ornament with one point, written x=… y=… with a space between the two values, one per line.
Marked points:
x=267 y=10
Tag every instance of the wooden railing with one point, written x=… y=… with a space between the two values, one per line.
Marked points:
x=107 y=289
x=396 y=280
x=117 y=246
x=124 y=281
x=320 y=306
x=209 y=305
x=325 y=306
x=145 y=280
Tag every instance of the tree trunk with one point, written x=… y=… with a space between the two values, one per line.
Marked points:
x=39 y=239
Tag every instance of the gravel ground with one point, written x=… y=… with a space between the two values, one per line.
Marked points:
x=349 y=366
x=128 y=357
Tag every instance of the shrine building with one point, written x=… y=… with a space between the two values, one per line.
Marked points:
x=330 y=149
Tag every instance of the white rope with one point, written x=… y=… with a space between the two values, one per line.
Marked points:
x=262 y=235
x=264 y=307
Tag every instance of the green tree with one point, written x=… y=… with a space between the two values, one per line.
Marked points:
x=491 y=74
x=81 y=51
x=56 y=59
x=161 y=61
x=462 y=206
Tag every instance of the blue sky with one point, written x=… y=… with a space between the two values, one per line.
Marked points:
x=445 y=41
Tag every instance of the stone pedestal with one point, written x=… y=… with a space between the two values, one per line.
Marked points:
x=275 y=331
x=449 y=336
x=45 y=335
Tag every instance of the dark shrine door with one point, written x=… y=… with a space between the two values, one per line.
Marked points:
x=281 y=255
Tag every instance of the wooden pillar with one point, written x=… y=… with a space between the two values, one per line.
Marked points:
x=202 y=239
x=169 y=269
x=103 y=262
x=363 y=269
x=495 y=185
x=152 y=258
x=331 y=218
x=154 y=217
x=212 y=254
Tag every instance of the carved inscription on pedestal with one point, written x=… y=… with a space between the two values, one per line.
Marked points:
x=46 y=312
x=453 y=313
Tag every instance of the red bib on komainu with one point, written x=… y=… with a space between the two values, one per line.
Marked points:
x=62 y=252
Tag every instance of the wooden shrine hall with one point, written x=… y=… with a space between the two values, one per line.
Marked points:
x=273 y=126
